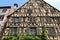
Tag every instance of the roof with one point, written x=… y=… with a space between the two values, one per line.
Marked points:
x=18 y=8
x=28 y=1
x=1 y=7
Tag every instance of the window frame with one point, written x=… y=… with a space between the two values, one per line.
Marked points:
x=1 y=17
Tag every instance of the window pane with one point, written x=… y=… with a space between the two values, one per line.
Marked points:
x=16 y=19
x=51 y=31
x=14 y=31
x=33 y=31
x=58 y=20
x=48 y=20
x=29 y=11
x=1 y=10
x=32 y=19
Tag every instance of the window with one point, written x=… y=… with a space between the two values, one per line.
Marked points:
x=29 y=11
x=47 y=11
x=51 y=31
x=33 y=31
x=32 y=19
x=4 y=10
x=1 y=17
x=17 y=19
x=58 y=19
x=48 y=20
x=14 y=31
x=52 y=10
x=1 y=10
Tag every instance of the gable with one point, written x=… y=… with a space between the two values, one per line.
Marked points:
x=38 y=7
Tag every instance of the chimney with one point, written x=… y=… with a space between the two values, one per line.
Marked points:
x=15 y=5
x=12 y=9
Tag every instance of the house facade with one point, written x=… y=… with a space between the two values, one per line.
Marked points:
x=31 y=18
x=4 y=12
x=3 y=16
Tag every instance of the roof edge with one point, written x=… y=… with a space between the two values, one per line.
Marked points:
x=51 y=6
x=18 y=8
x=5 y=7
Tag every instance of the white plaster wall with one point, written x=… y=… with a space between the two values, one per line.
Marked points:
x=8 y=12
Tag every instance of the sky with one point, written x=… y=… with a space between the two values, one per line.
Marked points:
x=54 y=3
x=11 y=2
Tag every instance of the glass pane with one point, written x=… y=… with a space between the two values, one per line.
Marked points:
x=16 y=19
x=1 y=10
x=33 y=31
x=14 y=31
x=29 y=11
x=48 y=20
x=32 y=19
x=58 y=20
